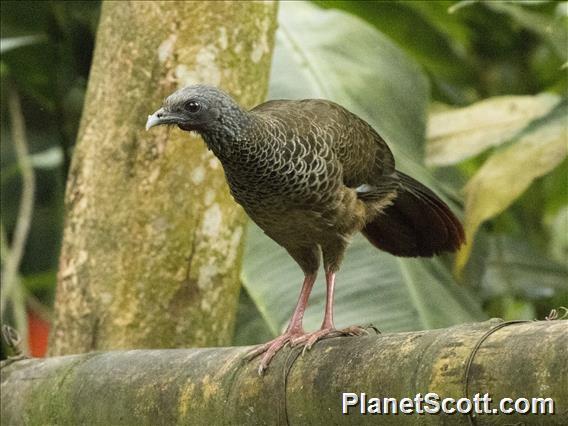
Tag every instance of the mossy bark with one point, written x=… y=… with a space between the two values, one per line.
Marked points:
x=151 y=246
x=216 y=386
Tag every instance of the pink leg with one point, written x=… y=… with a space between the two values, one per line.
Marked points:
x=327 y=328
x=294 y=329
x=330 y=286
x=298 y=315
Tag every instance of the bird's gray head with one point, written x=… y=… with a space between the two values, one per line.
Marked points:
x=200 y=108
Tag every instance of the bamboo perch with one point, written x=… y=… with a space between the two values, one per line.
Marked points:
x=216 y=386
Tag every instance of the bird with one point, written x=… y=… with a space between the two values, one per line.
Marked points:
x=312 y=174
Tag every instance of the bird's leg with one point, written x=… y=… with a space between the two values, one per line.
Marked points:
x=295 y=326
x=330 y=287
x=327 y=328
x=294 y=329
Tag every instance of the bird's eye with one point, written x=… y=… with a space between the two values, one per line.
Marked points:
x=192 y=106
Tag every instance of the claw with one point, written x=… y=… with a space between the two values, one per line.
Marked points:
x=372 y=327
x=308 y=340
x=270 y=349
x=355 y=330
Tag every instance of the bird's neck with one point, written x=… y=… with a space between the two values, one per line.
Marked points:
x=231 y=136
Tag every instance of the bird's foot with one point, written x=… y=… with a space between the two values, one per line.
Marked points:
x=271 y=348
x=308 y=340
x=300 y=338
x=357 y=330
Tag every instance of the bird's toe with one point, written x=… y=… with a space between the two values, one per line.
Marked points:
x=270 y=349
x=356 y=330
x=319 y=335
x=269 y=355
x=310 y=339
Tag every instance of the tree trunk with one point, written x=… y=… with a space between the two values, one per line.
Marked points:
x=151 y=246
x=215 y=386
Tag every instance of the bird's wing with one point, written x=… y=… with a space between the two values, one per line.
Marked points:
x=364 y=156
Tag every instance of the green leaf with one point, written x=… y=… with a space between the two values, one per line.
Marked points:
x=11 y=43
x=330 y=54
x=444 y=39
x=514 y=268
x=456 y=31
x=40 y=282
x=559 y=235
x=50 y=158
x=518 y=310
x=460 y=5
x=456 y=135
x=250 y=328
x=553 y=30
x=507 y=174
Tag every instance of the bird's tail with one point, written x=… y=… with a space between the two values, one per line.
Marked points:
x=417 y=223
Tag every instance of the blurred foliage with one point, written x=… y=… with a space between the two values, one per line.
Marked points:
x=469 y=51
x=478 y=50
x=536 y=151
x=455 y=135
x=533 y=133
x=46 y=49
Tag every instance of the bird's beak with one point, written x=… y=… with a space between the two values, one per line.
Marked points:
x=153 y=120
x=162 y=117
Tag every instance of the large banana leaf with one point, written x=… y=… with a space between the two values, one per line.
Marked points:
x=515 y=267
x=444 y=40
x=458 y=134
x=333 y=55
x=507 y=174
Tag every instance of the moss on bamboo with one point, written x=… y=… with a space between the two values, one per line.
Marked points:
x=216 y=386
